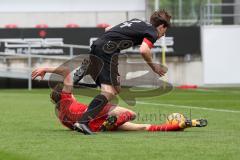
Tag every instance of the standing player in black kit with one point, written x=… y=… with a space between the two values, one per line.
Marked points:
x=103 y=62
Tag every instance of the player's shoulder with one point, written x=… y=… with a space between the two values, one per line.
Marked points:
x=146 y=26
x=149 y=26
x=140 y=22
x=67 y=98
x=136 y=20
x=134 y=24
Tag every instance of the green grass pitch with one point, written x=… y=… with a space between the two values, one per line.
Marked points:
x=29 y=129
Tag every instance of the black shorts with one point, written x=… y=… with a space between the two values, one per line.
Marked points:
x=103 y=66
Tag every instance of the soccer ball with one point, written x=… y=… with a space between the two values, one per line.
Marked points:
x=175 y=118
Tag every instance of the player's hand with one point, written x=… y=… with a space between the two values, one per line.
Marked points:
x=38 y=72
x=160 y=69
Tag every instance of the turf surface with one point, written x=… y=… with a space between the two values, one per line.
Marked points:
x=29 y=129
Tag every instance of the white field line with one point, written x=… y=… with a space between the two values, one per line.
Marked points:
x=189 y=107
x=215 y=90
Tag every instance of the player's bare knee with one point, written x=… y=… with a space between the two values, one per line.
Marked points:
x=109 y=90
x=108 y=95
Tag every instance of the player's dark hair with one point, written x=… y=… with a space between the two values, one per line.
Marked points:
x=160 y=17
x=55 y=95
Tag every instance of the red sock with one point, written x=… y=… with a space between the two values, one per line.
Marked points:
x=124 y=117
x=164 y=127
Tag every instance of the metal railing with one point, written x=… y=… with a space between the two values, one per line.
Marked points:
x=4 y=56
x=26 y=74
x=211 y=13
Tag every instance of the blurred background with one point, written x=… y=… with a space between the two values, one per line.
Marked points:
x=200 y=49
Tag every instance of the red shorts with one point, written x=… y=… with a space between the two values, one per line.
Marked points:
x=96 y=123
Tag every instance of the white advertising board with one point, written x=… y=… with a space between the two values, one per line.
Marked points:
x=221 y=54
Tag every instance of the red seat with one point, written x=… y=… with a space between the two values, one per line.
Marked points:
x=41 y=26
x=72 y=25
x=186 y=86
x=11 y=26
x=103 y=25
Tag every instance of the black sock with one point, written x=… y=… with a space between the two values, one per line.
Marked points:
x=94 y=108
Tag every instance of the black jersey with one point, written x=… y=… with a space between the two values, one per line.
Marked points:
x=130 y=33
x=104 y=64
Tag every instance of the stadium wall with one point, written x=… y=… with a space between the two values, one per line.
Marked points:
x=58 y=13
x=14 y=72
x=61 y=19
x=220 y=51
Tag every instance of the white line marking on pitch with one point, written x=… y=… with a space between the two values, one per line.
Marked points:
x=189 y=107
x=219 y=91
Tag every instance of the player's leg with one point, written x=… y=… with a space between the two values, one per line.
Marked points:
x=107 y=80
x=108 y=91
x=95 y=107
x=123 y=115
x=116 y=116
x=119 y=117
x=117 y=110
x=128 y=126
x=98 y=103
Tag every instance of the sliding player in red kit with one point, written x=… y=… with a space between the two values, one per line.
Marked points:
x=111 y=118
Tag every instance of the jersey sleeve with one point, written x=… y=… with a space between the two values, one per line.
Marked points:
x=150 y=36
x=70 y=107
x=66 y=101
x=65 y=95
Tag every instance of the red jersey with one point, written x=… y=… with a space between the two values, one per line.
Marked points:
x=71 y=111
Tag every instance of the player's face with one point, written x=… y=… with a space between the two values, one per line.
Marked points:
x=161 y=30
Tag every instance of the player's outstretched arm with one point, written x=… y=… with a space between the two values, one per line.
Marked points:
x=145 y=51
x=63 y=71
